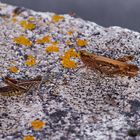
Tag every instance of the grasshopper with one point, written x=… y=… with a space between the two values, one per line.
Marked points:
x=109 y=66
x=18 y=87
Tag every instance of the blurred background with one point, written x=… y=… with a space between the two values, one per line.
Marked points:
x=124 y=13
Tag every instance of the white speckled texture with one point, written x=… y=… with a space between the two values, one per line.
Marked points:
x=75 y=104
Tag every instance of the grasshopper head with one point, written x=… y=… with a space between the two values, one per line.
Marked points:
x=133 y=70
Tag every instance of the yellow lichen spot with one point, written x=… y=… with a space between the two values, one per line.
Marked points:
x=21 y=40
x=28 y=138
x=37 y=124
x=81 y=42
x=71 y=53
x=66 y=58
x=45 y=39
x=70 y=33
x=14 y=19
x=52 y=48
x=57 y=18
x=13 y=69
x=27 y=25
x=67 y=63
x=30 y=61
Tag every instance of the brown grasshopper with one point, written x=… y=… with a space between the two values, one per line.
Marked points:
x=18 y=87
x=109 y=66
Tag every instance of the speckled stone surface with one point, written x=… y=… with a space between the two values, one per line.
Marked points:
x=75 y=104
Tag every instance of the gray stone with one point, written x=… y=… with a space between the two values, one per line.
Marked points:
x=78 y=104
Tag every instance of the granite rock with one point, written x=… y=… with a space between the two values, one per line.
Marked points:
x=75 y=104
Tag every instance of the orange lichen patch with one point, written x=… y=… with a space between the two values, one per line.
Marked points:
x=66 y=58
x=67 y=63
x=70 y=53
x=21 y=40
x=45 y=39
x=13 y=69
x=70 y=33
x=37 y=124
x=81 y=42
x=14 y=19
x=30 y=61
x=27 y=25
x=57 y=18
x=28 y=138
x=52 y=48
